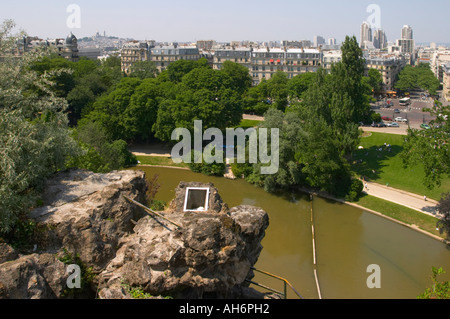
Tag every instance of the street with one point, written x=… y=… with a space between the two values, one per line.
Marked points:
x=413 y=112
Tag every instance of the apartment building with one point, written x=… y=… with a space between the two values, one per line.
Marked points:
x=133 y=52
x=267 y=61
x=446 y=81
x=163 y=56
x=240 y=55
x=438 y=60
x=388 y=65
x=330 y=57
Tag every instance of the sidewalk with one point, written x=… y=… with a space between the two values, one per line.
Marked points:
x=157 y=149
x=401 y=197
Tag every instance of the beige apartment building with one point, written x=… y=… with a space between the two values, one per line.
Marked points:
x=446 y=81
x=389 y=67
x=133 y=52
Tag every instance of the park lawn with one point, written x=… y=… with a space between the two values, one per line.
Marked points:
x=385 y=167
x=159 y=161
x=401 y=213
x=249 y=123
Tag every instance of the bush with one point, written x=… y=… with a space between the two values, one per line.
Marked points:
x=100 y=154
x=213 y=169
x=355 y=192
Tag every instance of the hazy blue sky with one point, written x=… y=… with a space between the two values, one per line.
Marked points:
x=183 y=20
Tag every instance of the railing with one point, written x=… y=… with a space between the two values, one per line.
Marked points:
x=285 y=281
x=150 y=211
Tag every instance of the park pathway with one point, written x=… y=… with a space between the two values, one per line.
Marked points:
x=402 y=197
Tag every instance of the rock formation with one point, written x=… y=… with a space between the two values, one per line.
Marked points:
x=209 y=256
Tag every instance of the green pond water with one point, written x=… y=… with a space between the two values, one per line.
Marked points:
x=348 y=240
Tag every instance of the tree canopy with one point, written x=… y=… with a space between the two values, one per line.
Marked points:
x=417 y=77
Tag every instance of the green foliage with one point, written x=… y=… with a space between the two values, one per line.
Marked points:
x=417 y=77
x=81 y=83
x=431 y=147
x=100 y=153
x=356 y=190
x=375 y=117
x=374 y=80
x=444 y=209
x=203 y=94
x=180 y=68
x=143 y=70
x=210 y=169
x=240 y=77
x=318 y=135
x=33 y=130
x=439 y=290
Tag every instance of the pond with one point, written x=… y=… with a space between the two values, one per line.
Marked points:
x=348 y=240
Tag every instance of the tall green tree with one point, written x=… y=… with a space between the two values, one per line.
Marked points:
x=374 y=80
x=431 y=147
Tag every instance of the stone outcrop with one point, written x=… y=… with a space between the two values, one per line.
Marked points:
x=86 y=214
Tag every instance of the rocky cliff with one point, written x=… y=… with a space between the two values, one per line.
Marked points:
x=87 y=215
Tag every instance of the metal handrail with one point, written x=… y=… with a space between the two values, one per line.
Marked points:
x=285 y=281
x=151 y=211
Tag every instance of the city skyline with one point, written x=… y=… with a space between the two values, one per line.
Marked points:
x=261 y=20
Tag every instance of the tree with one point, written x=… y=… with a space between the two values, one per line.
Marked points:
x=444 y=209
x=203 y=94
x=110 y=110
x=431 y=147
x=241 y=79
x=100 y=153
x=374 y=80
x=299 y=84
x=180 y=68
x=417 y=77
x=34 y=136
x=143 y=70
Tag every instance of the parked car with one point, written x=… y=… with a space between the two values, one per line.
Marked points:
x=425 y=126
x=393 y=124
x=396 y=111
x=386 y=118
x=400 y=119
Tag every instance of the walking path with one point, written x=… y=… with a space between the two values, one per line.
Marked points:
x=402 y=197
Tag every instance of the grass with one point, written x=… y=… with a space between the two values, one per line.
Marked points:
x=401 y=213
x=386 y=167
x=159 y=161
x=249 y=123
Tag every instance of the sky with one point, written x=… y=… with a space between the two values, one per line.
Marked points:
x=224 y=21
